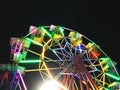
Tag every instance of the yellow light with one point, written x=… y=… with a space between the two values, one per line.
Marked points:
x=57 y=36
x=106 y=67
x=38 y=39
x=89 y=45
x=112 y=84
x=104 y=60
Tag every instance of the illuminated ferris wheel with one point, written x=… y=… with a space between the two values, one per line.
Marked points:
x=65 y=58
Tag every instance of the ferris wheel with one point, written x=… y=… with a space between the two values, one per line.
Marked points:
x=64 y=57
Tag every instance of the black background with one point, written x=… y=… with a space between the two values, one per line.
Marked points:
x=96 y=20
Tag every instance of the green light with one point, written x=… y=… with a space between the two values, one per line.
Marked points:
x=92 y=44
x=107 y=89
x=34 y=61
x=46 y=31
x=61 y=30
x=105 y=58
x=26 y=43
x=24 y=54
x=17 y=57
x=34 y=41
x=30 y=61
x=113 y=76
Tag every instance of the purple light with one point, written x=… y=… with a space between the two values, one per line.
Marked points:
x=24 y=86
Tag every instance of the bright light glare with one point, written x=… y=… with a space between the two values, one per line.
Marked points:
x=50 y=85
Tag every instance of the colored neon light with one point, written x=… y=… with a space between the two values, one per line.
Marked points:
x=30 y=61
x=34 y=41
x=112 y=84
x=112 y=76
x=22 y=80
x=34 y=70
x=61 y=30
x=20 y=48
x=13 y=79
x=46 y=31
x=107 y=89
x=33 y=52
x=47 y=70
x=34 y=29
x=43 y=51
x=34 y=61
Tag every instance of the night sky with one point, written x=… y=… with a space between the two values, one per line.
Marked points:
x=96 y=20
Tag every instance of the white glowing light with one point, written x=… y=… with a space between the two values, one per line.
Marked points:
x=50 y=85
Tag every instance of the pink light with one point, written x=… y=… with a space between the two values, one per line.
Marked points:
x=20 y=48
x=22 y=80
